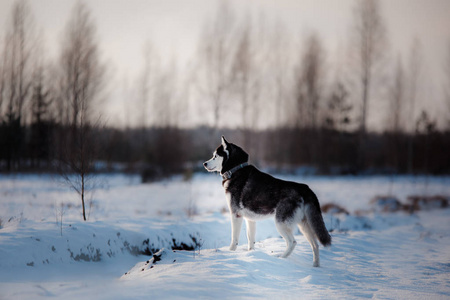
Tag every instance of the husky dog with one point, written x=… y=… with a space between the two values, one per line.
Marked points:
x=253 y=195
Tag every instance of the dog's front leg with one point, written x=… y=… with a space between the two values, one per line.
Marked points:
x=236 y=224
x=251 y=233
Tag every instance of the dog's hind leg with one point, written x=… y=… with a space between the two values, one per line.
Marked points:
x=251 y=233
x=310 y=237
x=286 y=231
x=236 y=224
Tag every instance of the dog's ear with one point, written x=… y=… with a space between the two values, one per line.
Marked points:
x=224 y=143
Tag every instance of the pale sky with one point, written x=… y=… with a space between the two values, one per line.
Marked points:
x=173 y=27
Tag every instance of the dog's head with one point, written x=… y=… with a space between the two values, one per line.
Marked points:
x=226 y=157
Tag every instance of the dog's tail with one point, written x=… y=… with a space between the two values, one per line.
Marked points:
x=315 y=220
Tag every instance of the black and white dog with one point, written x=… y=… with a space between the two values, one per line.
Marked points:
x=253 y=195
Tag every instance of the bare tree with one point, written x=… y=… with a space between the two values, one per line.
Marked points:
x=447 y=85
x=279 y=62
x=413 y=78
x=40 y=101
x=369 y=40
x=3 y=61
x=396 y=113
x=16 y=78
x=18 y=49
x=241 y=69
x=413 y=84
x=277 y=88
x=247 y=68
x=81 y=68
x=41 y=109
x=308 y=94
x=181 y=93
x=158 y=97
x=215 y=60
x=159 y=107
x=425 y=127
x=338 y=108
x=396 y=108
x=309 y=81
x=165 y=100
x=147 y=84
x=82 y=79
x=169 y=144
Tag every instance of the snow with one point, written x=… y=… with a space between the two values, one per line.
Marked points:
x=375 y=254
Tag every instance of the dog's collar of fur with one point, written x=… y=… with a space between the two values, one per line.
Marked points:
x=229 y=173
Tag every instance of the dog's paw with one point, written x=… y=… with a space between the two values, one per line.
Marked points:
x=233 y=247
x=251 y=246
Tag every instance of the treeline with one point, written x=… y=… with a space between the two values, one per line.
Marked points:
x=287 y=105
x=159 y=152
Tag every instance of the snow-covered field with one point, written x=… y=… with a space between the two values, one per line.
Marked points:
x=375 y=254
